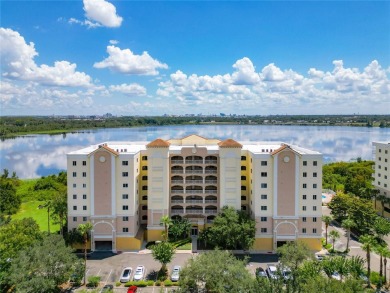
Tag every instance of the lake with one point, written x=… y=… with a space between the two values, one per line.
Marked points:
x=40 y=155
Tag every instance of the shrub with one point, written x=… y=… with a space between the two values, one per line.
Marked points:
x=118 y=284
x=141 y=284
x=150 y=283
x=162 y=274
x=158 y=283
x=168 y=283
x=93 y=281
x=129 y=283
x=175 y=284
x=376 y=279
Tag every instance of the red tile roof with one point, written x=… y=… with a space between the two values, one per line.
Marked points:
x=112 y=151
x=229 y=143
x=158 y=143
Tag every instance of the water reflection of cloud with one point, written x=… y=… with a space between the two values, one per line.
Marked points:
x=34 y=156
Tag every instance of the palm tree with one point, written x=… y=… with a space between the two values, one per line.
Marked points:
x=381 y=228
x=166 y=221
x=84 y=230
x=348 y=224
x=386 y=254
x=356 y=266
x=381 y=250
x=334 y=235
x=374 y=195
x=368 y=244
x=327 y=220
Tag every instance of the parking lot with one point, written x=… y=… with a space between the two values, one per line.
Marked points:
x=109 y=266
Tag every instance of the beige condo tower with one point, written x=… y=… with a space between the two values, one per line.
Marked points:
x=124 y=188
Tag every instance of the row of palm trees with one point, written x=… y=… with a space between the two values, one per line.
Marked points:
x=370 y=243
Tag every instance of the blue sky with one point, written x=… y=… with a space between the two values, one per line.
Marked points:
x=177 y=57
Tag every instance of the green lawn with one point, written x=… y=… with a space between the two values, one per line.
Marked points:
x=30 y=209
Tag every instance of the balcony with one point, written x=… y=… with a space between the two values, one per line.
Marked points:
x=177 y=181
x=194 y=181
x=211 y=191
x=211 y=171
x=177 y=211
x=211 y=182
x=177 y=201
x=177 y=191
x=194 y=161
x=194 y=171
x=177 y=162
x=211 y=162
x=194 y=191
x=210 y=201
x=194 y=201
x=194 y=211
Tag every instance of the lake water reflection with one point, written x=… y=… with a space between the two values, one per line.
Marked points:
x=41 y=155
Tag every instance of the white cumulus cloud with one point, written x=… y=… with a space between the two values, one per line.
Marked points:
x=132 y=89
x=125 y=61
x=17 y=62
x=102 y=12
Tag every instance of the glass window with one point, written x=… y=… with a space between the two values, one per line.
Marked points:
x=314 y=163
x=125 y=196
x=75 y=208
x=304 y=196
x=125 y=185
x=74 y=163
x=125 y=207
x=144 y=158
x=243 y=168
x=263 y=230
x=74 y=196
x=304 y=174
x=84 y=208
x=314 y=196
x=263 y=185
x=144 y=168
x=74 y=174
x=84 y=219
x=304 y=219
x=263 y=219
x=125 y=174
x=303 y=230
x=74 y=219
x=243 y=197
x=263 y=174
x=243 y=158
x=125 y=163
x=303 y=208
x=84 y=196
x=304 y=163
x=84 y=174
x=263 y=196
x=84 y=163
x=125 y=230
x=125 y=219
x=263 y=208
x=263 y=163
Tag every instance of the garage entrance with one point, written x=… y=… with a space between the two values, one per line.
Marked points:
x=103 y=245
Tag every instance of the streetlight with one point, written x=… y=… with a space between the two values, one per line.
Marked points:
x=46 y=205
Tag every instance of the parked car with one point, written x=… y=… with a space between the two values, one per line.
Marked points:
x=336 y=276
x=126 y=274
x=286 y=273
x=272 y=271
x=139 y=273
x=260 y=273
x=175 y=273
x=107 y=288
x=132 y=289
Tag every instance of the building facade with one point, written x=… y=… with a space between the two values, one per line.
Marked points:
x=382 y=177
x=124 y=188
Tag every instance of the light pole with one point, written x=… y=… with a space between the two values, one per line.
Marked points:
x=46 y=205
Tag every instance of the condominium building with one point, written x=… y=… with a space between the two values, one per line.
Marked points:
x=124 y=188
x=382 y=177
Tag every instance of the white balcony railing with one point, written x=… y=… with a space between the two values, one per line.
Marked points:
x=194 y=201
x=211 y=181
x=194 y=161
x=177 y=171
x=210 y=201
x=191 y=211
x=210 y=191
x=177 y=201
x=194 y=181
x=196 y=191
x=177 y=181
x=212 y=212
x=177 y=162
x=194 y=171
x=211 y=171
x=176 y=191
x=211 y=161
x=177 y=211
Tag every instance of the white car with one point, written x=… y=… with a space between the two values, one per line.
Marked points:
x=126 y=274
x=139 y=273
x=272 y=271
x=175 y=273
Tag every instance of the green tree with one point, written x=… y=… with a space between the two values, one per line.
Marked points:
x=323 y=285
x=43 y=266
x=347 y=224
x=167 y=222
x=383 y=200
x=381 y=250
x=216 y=271
x=9 y=201
x=59 y=209
x=356 y=266
x=232 y=230
x=386 y=255
x=163 y=252
x=334 y=235
x=368 y=244
x=85 y=229
x=15 y=237
x=327 y=220
x=381 y=228
x=179 y=229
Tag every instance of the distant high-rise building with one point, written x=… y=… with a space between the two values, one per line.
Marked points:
x=124 y=188
x=382 y=177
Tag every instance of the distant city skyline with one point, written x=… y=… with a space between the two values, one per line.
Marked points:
x=170 y=57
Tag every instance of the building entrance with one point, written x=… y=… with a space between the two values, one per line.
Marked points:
x=103 y=245
x=194 y=231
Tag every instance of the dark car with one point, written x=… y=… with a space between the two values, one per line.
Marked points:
x=260 y=273
x=132 y=289
x=107 y=288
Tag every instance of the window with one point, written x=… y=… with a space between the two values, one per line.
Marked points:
x=125 y=185
x=125 y=174
x=144 y=168
x=263 y=185
x=125 y=219
x=314 y=196
x=145 y=187
x=243 y=197
x=263 y=196
x=74 y=196
x=385 y=151
x=84 y=174
x=304 y=185
x=84 y=163
x=144 y=158
x=243 y=177
x=315 y=185
x=144 y=208
x=263 y=219
x=243 y=158
x=243 y=168
x=84 y=196
x=314 y=208
x=380 y=159
x=243 y=208
x=144 y=197
x=144 y=177
x=74 y=185
x=263 y=174
x=314 y=174
x=243 y=187
x=84 y=219
x=263 y=230
x=84 y=185
x=314 y=231
x=263 y=208
x=125 y=196
x=303 y=230
x=263 y=163
x=304 y=219
x=75 y=208
x=74 y=163
x=304 y=163
x=304 y=174
x=303 y=208
x=74 y=174
x=314 y=163
x=304 y=197
x=144 y=218
x=125 y=229
x=125 y=207
x=84 y=208
x=125 y=163
x=315 y=219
